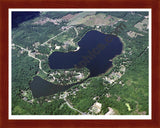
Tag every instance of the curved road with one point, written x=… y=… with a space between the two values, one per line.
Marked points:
x=70 y=106
x=29 y=54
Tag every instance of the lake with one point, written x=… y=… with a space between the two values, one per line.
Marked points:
x=96 y=51
x=41 y=87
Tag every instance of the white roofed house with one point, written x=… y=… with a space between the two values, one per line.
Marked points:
x=57 y=47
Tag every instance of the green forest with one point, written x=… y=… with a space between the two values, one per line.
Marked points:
x=131 y=88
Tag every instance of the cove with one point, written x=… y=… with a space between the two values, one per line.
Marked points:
x=96 y=51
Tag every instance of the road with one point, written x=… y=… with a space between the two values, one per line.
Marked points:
x=40 y=62
x=55 y=36
x=70 y=106
x=76 y=31
x=29 y=54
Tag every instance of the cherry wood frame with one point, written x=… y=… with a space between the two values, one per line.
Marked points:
x=6 y=4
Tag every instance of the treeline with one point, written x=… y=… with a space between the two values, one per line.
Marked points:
x=122 y=14
x=57 y=15
x=28 y=33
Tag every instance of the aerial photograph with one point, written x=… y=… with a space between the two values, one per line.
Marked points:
x=79 y=62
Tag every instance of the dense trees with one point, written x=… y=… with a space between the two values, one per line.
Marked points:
x=83 y=99
x=44 y=49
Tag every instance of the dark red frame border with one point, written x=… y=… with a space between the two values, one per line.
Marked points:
x=6 y=4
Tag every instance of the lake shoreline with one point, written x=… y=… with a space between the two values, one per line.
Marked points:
x=99 y=59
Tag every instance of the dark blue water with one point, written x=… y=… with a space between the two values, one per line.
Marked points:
x=19 y=17
x=96 y=50
x=41 y=87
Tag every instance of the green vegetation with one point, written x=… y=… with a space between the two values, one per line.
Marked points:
x=70 y=34
x=44 y=49
x=27 y=34
x=84 y=98
x=126 y=94
x=56 y=14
